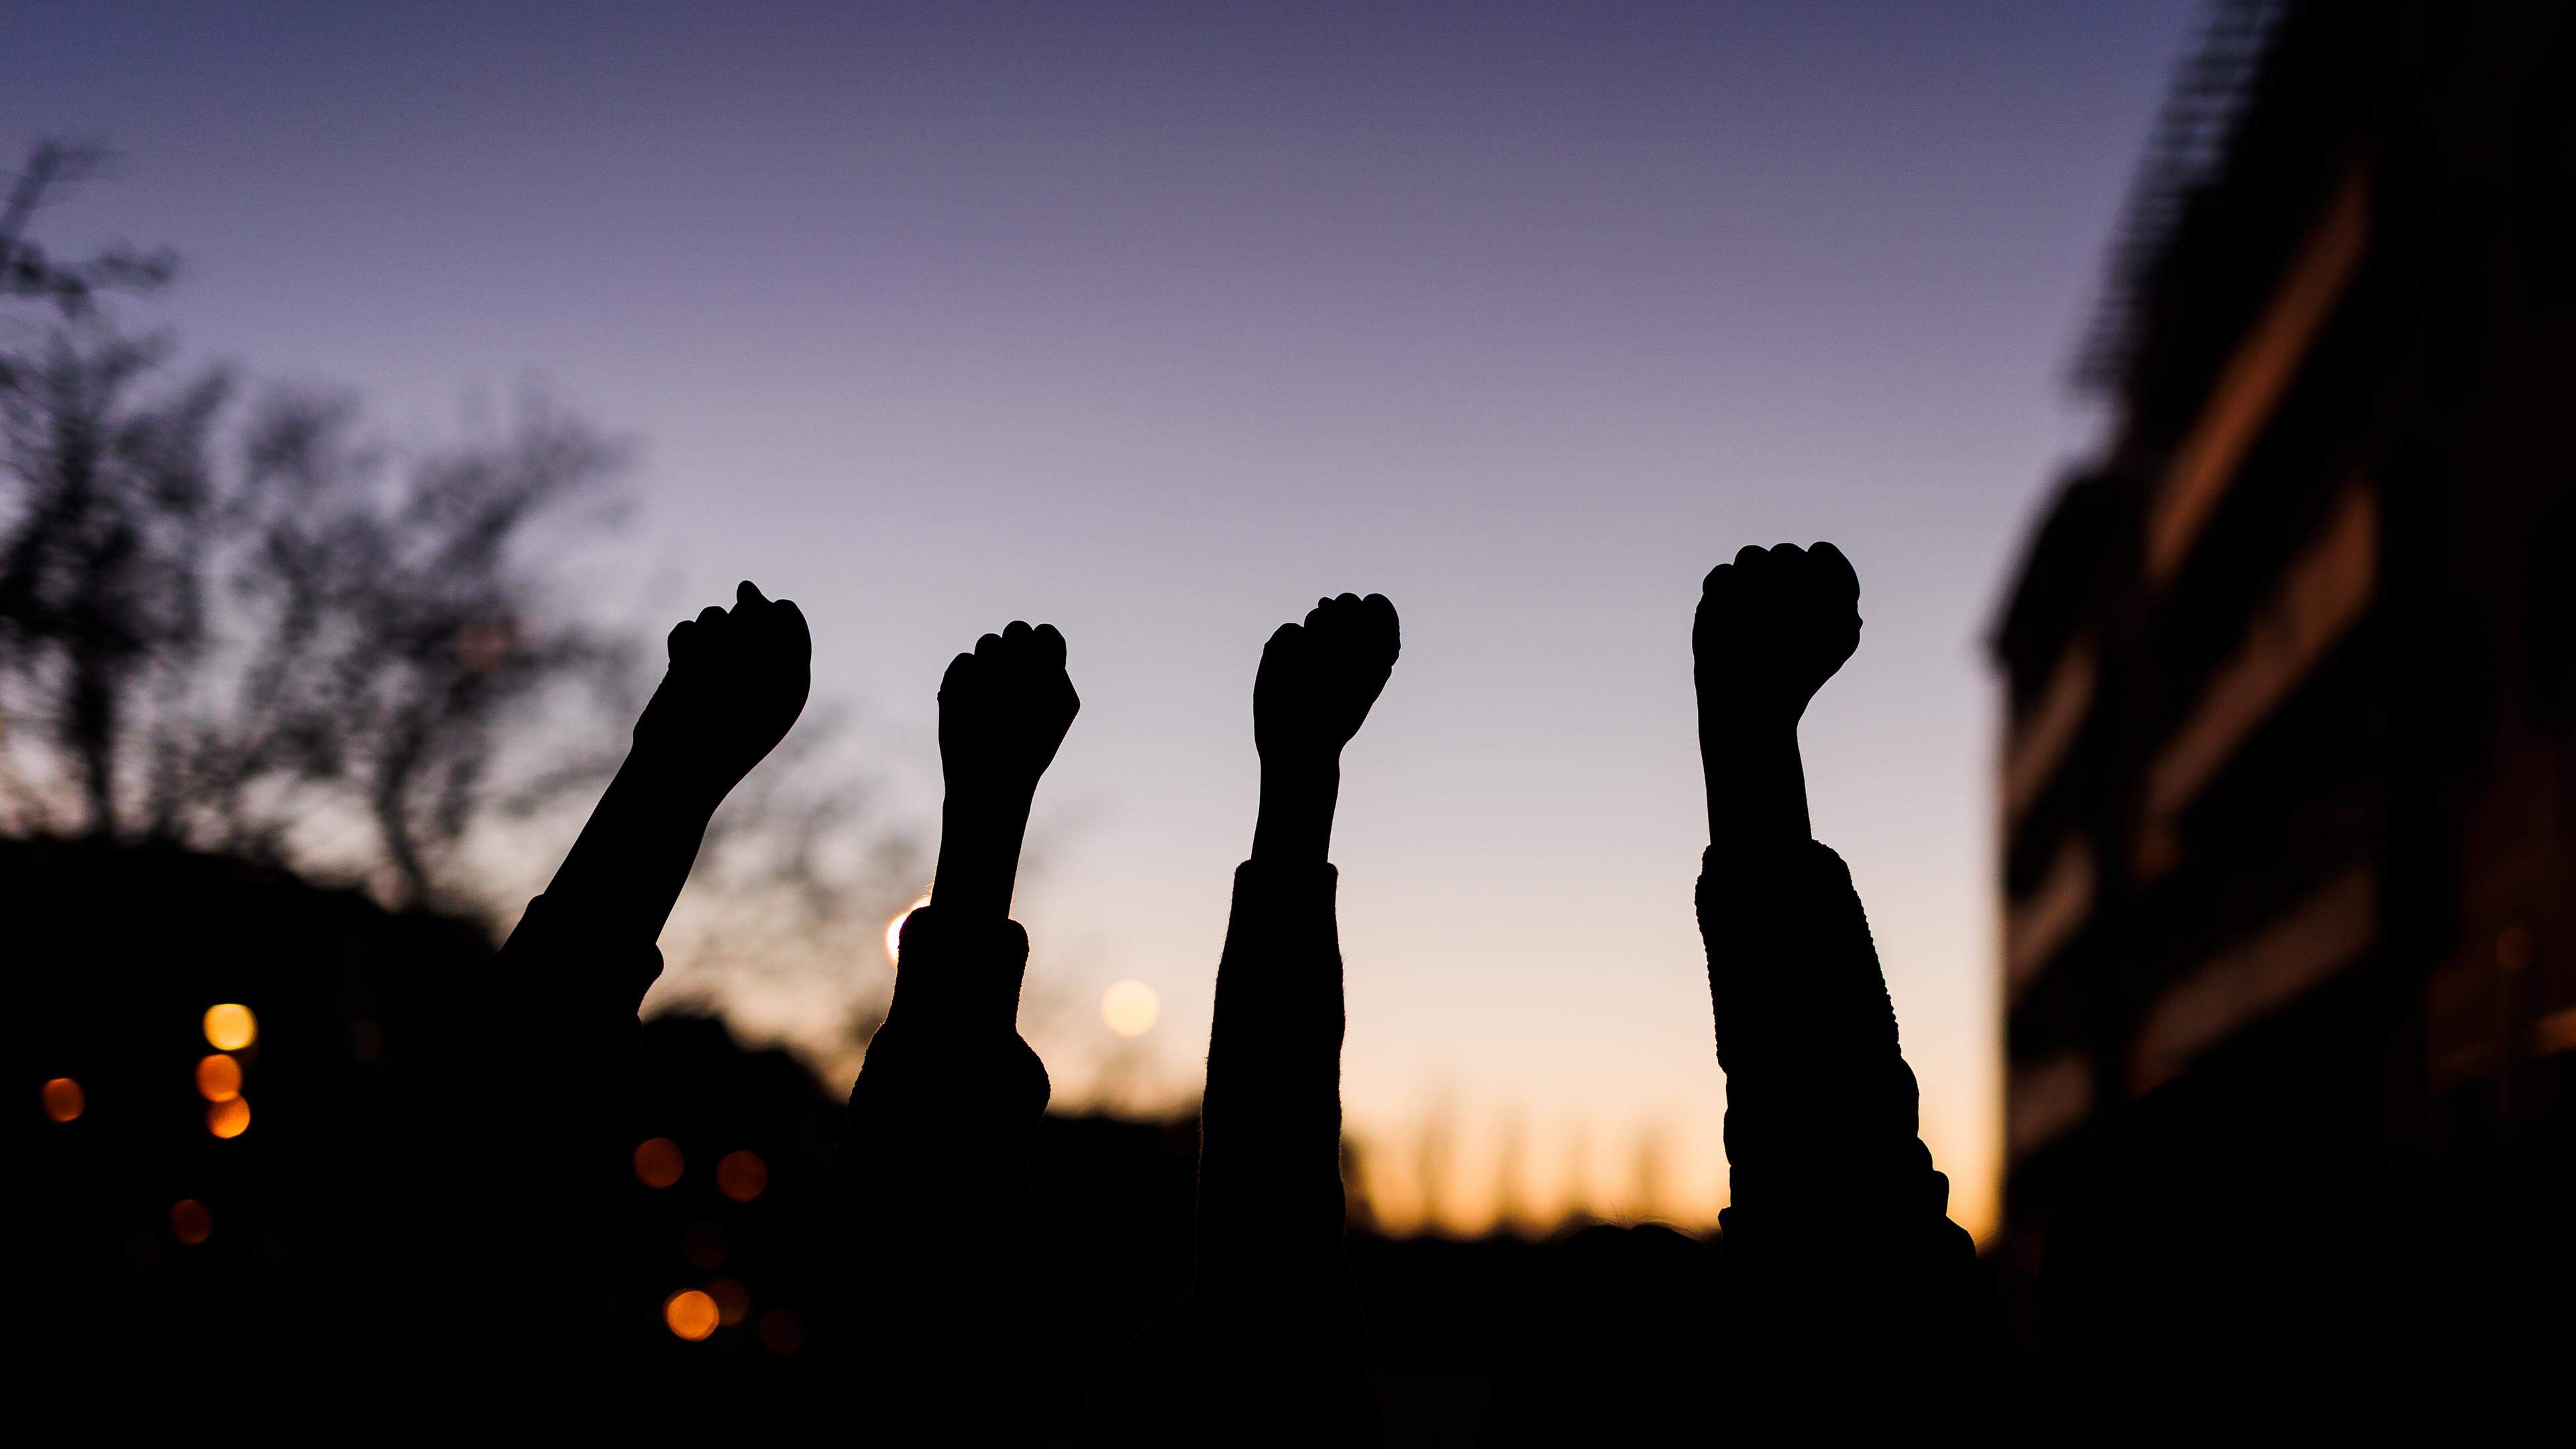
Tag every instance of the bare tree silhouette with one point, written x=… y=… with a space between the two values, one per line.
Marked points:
x=220 y=643
x=252 y=629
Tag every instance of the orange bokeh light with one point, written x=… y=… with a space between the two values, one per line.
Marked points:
x=733 y=1301
x=190 y=1222
x=691 y=1314
x=229 y=1118
x=780 y=1332
x=64 y=1099
x=658 y=1162
x=230 y=1027
x=219 y=1078
x=742 y=1176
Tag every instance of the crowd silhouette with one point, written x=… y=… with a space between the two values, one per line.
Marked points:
x=1837 y=1259
x=2220 y=1230
x=2319 y=568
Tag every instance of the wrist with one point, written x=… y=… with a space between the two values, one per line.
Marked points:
x=1297 y=801
x=1301 y=766
x=1300 y=787
x=985 y=803
x=680 y=779
x=1749 y=726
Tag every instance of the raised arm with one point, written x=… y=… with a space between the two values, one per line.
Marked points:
x=1836 y=1238
x=935 y=1305
x=1270 y=1181
x=1772 y=627
x=1268 y=1346
x=554 y=1058
x=1003 y=712
x=582 y=957
x=737 y=680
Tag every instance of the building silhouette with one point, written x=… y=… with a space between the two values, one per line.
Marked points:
x=2288 y=781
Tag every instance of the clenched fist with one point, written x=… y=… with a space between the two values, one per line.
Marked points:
x=737 y=679
x=1003 y=711
x=1317 y=680
x=1772 y=627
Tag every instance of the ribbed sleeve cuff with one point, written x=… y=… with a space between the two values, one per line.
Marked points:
x=575 y=965
x=958 y=976
x=1791 y=966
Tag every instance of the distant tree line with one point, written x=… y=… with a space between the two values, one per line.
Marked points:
x=237 y=624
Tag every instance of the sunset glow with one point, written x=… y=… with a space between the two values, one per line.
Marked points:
x=894 y=931
x=1131 y=1008
x=1523 y=325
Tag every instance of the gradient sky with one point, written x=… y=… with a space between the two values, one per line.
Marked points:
x=1157 y=321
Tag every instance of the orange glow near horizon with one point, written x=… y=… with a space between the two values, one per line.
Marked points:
x=64 y=1100
x=1466 y=1174
x=229 y=1118
x=691 y=1314
x=230 y=1026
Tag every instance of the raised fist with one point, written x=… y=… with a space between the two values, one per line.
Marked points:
x=1318 y=679
x=1003 y=710
x=737 y=679
x=1773 y=626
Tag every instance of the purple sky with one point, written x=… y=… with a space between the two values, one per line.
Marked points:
x=1157 y=321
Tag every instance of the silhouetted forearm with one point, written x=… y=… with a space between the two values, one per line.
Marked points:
x=1756 y=782
x=1837 y=1237
x=1817 y=1087
x=1818 y=1093
x=1268 y=1345
x=1834 y=1198
x=933 y=1308
x=1295 y=826
x=980 y=836
x=1274 y=1296
x=1270 y=1184
x=583 y=956
x=625 y=871
x=556 y=1063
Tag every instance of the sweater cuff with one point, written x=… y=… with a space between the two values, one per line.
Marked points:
x=958 y=976
x=556 y=956
x=1729 y=870
x=1288 y=887
x=1793 y=973
x=947 y=1077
